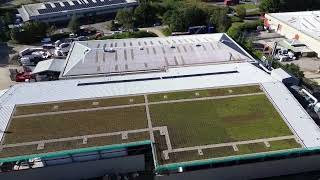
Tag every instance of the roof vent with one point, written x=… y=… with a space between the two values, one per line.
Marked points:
x=141 y=48
x=198 y=45
x=172 y=46
x=86 y=51
x=110 y=50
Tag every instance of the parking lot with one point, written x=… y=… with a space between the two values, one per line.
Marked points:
x=7 y=62
x=309 y=65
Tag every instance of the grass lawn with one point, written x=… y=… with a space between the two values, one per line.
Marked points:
x=72 y=105
x=204 y=93
x=252 y=148
x=73 y=144
x=284 y=144
x=183 y=156
x=75 y=124
x=248 y=6
x=219 y=121
x=17 y=151
x=228 y=151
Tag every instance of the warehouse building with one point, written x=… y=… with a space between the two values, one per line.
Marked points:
x=202 y=119
x=61 y=11
x=303 y=26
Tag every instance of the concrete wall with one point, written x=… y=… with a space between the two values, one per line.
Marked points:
x=251 y=171
x=81 y=170
x=290 y=33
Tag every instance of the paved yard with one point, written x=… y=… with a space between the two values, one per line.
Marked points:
x=5 y=80
x=310 y=67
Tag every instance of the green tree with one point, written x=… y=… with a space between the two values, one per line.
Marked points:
x=175 y=20
x=4 y=30
x=235 y=31
x=113 y=26
x=179 y=19
x=30 y=32
x=145 y=14
x=195 y=16
x=288 y=5
x=294 y=70
x=241 y=12
x=220 y=20
x=8 y=18
x=272 y=5
x=125 y=18
x=74 y=24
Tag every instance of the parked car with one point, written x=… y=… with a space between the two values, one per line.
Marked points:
x=23 y=76
x=64 y=45
x=58 y=53
x=82 y=38
x=57 y=43
x=87 y=31
x=72 y=35
x=46 y=40
x=48 y=46
x=284 y=55
x=99 y=35
x=29 y=51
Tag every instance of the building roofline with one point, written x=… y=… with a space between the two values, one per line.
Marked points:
x=58 y=154
x=291 y=26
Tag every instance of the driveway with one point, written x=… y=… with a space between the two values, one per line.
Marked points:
x=156 y=30
x=5 y=80
x=7 y=54
x=310 y=67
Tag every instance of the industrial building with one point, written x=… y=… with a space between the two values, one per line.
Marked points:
x=176 y=110
x=62 y=11
x=303 y=26
x=115 y=57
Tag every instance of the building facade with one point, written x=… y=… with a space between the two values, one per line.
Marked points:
x=61 y=11
x=303 y=26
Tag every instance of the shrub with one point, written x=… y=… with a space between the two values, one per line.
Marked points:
x=125 y=35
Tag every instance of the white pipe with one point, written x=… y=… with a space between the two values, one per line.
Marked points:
x=311 y=96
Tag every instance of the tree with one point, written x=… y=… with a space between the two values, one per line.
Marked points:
x=30 y=32
x=220 y=19
x=8 y=18
x=288 y=5
x=74 y=24
x=145 y=14
x=294 y=70
x=4 y=35
x=113 y=26
x=271 y=5
x=125 y=18
x=195 y=16
x=180 y=19
x=241 y=12
x=175 y=20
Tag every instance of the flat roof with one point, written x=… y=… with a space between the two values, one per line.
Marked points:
x=121 y=56
x=238 y=86
x=92 y=95
x=307 y=22
x=54 y=65
x=50 y=7
x=198 y=122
